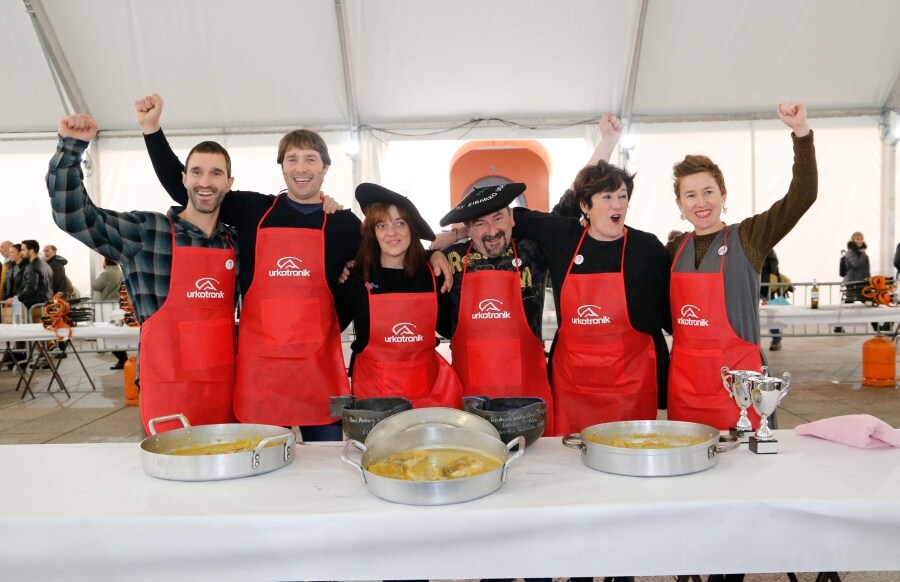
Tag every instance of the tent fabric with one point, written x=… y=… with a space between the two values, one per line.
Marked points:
x=241 y=64
x=419 y=71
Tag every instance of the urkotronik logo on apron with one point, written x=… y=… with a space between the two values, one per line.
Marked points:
x=404 y=333
x=690 y=315
x=491 y=309
x=289 y=267
x=590 y=315
x=206 y=288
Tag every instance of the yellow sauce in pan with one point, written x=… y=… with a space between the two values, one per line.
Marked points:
x=434 y=464
x=649 y=440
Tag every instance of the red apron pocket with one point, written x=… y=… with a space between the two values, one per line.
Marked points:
x=206 y=344
x=289 y=321
x=494 y=362
x=597 y=367
x=404 y=379
x=700 y=370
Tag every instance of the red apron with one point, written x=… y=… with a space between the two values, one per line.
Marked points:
x=702 y=342
x=603 y=369
x=400 y=359
x=495 y=353
x=290 y=360
x=187 y=346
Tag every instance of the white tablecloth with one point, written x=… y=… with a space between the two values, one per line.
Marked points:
x=36 y=332
x=779 y=316
x=88 y=512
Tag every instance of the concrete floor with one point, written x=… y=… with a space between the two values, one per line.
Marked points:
x=826 y=382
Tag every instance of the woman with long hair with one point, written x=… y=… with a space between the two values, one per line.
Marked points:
x=393 y=296
x=716 y=274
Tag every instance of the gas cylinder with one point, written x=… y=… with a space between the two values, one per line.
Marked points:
x=879 y=362
x=131 y=389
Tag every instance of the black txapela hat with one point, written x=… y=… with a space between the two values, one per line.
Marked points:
x=368 y=194
x=482 y=201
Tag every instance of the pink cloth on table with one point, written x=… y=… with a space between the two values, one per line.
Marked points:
x=862 y=431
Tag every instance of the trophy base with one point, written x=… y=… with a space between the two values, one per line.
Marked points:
x=742 y=435
x=763 y=447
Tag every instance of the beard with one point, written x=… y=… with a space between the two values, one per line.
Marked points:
x=494 y=246
x=206 y=206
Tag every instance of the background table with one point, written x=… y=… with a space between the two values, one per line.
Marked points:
x=88 y=512
x=780 y=316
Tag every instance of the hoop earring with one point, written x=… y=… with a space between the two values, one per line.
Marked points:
x=682 y=215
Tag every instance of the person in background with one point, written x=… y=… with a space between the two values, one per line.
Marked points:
x=36 y=276
x=5 y=263
x=897 y=262
x=294 y=254
x=857 y=264
x=768 y=292
x=394 y=299
x=858 y=270
x=180 y=269
x=716 y=275
x=60 y=283
x=106 y=288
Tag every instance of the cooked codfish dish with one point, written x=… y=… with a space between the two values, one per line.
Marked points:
x=433 y=464
x=649 y=440
x=216 y=448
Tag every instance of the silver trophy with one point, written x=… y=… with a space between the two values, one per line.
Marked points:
x=737 y=384
x=766 y=394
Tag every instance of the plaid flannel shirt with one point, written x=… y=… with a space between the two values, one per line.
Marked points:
x=141 y=242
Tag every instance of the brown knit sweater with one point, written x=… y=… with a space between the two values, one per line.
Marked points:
x=760 y=233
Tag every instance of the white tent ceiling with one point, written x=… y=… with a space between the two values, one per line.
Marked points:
x=420 y=67
x=247 y=64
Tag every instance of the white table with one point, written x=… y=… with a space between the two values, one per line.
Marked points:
x=35 y=333
x=32 y=332
x=88 y=512
x=780 y=316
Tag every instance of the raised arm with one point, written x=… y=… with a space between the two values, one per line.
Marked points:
x=762 y=232
x=116 y=235
x=166 y=164
x=610 y=128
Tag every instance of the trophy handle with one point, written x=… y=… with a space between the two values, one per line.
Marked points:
x=765 y=371
x=786 y=386
x=726 y=380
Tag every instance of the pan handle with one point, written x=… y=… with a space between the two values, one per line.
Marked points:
x=359 y=446
x=573 y=441
x=520 y=442
x=257 y=452
x=726 y=443
x=151 y=424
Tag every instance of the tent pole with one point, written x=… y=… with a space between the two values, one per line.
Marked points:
x=628 y=96
x=888 y=193
x=69 y=92
x=349 y=90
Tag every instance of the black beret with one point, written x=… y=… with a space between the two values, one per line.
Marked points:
x=483 y=201
x=368 y=194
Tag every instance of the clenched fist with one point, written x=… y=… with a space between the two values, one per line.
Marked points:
x=79 y=126
x=148 y=111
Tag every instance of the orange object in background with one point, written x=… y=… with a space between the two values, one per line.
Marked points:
x=879 y=362
x=131 y=389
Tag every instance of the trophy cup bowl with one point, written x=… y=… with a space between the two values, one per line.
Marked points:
x=766 y=394
x=737 y=384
